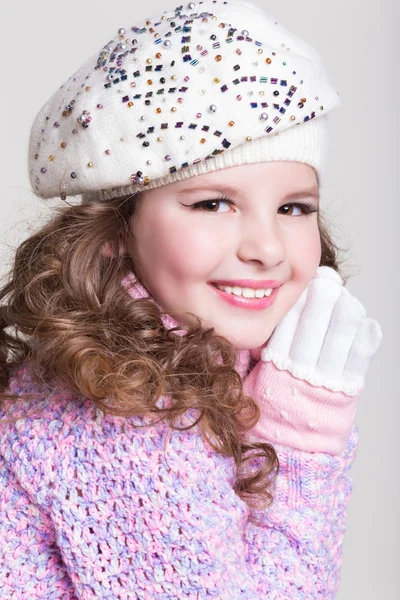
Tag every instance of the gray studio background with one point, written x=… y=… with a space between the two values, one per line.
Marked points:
x=44 y=42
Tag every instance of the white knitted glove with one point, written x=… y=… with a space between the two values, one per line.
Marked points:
x=325 y=338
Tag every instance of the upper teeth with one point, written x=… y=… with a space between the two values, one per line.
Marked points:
x=245 y=292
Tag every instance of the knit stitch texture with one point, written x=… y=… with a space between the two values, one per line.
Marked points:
x=93 y=507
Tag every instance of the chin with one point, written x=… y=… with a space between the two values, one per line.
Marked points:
x=245 y=340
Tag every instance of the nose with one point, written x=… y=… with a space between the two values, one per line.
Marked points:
x=261 y=241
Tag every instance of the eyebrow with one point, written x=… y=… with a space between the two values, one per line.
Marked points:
x=312 y=191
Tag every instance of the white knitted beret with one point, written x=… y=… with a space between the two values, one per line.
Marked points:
x=203 y=87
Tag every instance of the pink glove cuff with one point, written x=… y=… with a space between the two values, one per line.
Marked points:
x=297 y=414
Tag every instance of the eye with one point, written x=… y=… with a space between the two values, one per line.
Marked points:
x=306 y=207
x=212 y=204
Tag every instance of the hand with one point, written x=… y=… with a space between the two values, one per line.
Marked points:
x=313 y=368
x=326 y=338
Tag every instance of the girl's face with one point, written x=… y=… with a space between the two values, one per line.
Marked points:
x=182 y=246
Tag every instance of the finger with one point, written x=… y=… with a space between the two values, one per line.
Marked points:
x=313 y=325
x=347 y=317
x=281 y=340
x=365 y=345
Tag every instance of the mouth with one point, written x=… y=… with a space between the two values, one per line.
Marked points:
x=245 y=297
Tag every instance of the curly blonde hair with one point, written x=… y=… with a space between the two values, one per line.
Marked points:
x=64 y=309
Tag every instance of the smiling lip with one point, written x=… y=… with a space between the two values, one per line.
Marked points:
x=248 y=303
x=250 y=283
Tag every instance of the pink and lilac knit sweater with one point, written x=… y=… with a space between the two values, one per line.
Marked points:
x=93 y=507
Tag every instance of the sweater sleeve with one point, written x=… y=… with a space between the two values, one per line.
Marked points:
x=30 y=563
x=295 y=548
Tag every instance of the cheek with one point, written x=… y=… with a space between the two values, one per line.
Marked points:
x=305 y=254
x=176 y=247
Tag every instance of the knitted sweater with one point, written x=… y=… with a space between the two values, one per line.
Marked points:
x=91 y=507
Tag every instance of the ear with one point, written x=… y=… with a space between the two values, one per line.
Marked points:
x=108 y=251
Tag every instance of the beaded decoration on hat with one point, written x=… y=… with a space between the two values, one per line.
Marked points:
x=175 y=93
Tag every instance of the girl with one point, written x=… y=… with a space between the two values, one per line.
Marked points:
x=181 y=362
